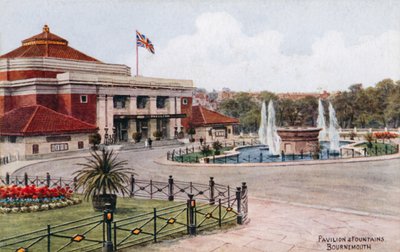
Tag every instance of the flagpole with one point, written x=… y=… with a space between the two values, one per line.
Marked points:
x=137 y=57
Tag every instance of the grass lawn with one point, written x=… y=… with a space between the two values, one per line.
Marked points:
x=14 y=223
x=379 y=149
x=139 y=211
x=195 y=156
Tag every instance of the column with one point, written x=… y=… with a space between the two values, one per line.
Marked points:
x=153 y=105
x=101 y=115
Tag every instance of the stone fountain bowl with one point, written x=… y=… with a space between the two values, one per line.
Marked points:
x=296 y=140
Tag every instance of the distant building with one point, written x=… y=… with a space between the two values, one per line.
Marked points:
x=46 y=73
x=301 y=95
x=211 y=125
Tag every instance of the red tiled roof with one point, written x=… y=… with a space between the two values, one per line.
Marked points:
x=40 y=120
x=202 y=116
x=47 y=44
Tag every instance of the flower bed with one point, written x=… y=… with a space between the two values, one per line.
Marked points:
x=385 y=135
x=15 y=199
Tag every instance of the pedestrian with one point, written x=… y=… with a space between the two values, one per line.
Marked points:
x=150 y=142
x=201 y=140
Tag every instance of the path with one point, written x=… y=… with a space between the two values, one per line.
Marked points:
x=280 y=227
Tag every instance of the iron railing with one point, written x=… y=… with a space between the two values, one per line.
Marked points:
x=207 y=206
x=193 y=155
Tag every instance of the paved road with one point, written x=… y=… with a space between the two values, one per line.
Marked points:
x=366 y=186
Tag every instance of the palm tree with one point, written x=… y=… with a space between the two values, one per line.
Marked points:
x=102 y=177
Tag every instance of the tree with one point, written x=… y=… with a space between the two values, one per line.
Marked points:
x=244 y=107
x=392 y=112
x=102 y=177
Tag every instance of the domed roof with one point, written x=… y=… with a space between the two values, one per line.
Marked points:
x=47 y=44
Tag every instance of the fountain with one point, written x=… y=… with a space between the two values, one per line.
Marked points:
x=267 y=132
x=262 y=131
x=333 y=129
x=273 y=139
x=321 y=122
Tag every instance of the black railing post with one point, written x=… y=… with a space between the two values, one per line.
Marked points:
x=170 y=188
x=187 y=150
x=219 y=213
x=108 y=218
x=192 y=211
x=244 y=187
x=7 y=178
x=301 y=154
x=239 y=218
x=25 y=179
x=155 y=224
x=212 y=185
x=352 y=152
x=365 y=152
x=132 y=185
x=283 y=155
x=386 y=149
x=48 y=238
x=48 y=179
x=376 y=150
x=115 y=236
x=327 y=153
x=261 y=157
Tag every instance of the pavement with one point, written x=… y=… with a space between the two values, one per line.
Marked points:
x=285 y=227
x=290 y=207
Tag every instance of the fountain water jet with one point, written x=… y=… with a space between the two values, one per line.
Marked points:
x=273 y=139
x=268 y=133
x=262 y=131
x=321 y=122
x=333 y=129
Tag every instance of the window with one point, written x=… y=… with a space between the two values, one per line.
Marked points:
x=142 y=102
x=59 y=147
x=161 y=101
x=84 y=99
x=12 y=139
x=184 y=101
x=35 y=149
x=80 y=145
x=120 y=101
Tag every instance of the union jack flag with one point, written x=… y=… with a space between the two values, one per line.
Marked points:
x=142 y=41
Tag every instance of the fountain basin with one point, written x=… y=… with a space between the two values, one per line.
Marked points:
x=297 y=140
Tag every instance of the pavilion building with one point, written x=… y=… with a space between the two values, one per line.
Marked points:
x=47 y=76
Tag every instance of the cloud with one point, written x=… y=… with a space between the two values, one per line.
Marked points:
x=220 y=54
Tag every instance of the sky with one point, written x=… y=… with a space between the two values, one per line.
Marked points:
x=274 y=45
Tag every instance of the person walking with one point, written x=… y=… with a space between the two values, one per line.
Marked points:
x=201 y=140
x=150 y=142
